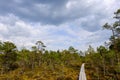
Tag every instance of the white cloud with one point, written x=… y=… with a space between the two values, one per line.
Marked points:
x=73 y=23
x=25 y=34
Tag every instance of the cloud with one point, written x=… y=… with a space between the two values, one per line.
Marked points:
x=26 y=34
x=57 y=12
x=59 y=24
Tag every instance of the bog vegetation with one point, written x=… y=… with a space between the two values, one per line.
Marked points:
x=41 y=64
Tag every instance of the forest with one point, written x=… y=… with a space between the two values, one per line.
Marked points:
x=41 y=64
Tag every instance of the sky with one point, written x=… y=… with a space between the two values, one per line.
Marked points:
x=57 y=23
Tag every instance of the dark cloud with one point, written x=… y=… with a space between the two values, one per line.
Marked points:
x=56 y=12
x=34 y=10
x=55 y=2
x=92 y=23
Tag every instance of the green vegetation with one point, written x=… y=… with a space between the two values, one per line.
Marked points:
x=40 y=64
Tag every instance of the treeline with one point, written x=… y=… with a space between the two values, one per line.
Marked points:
x=41 y=64
x=38 y=63
x=102 y=65
x=105 y=62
